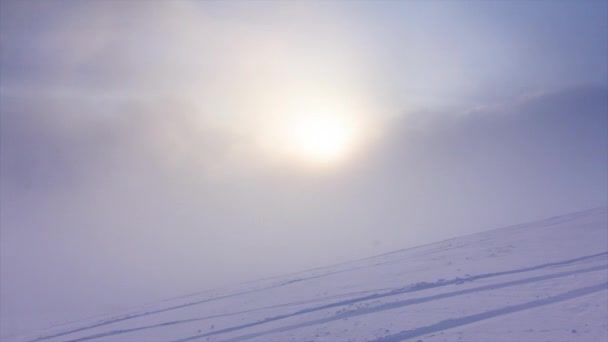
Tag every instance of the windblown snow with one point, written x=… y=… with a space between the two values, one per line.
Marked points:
x=543 y=281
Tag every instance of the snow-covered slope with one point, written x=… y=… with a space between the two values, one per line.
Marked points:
x=544 y=281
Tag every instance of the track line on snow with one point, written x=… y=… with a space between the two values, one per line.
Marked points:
x=405 y=289
x=381 y=307
x=147 y=313
x=190 y=320
x=456 y=322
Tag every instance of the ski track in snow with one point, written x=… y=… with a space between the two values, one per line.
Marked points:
x=370 y=301
x=455 y=322
x=387 y=306
x=406 y=289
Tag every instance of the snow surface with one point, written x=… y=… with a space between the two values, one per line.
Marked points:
x=543 y=281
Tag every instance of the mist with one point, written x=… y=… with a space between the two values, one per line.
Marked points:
x=132 y=169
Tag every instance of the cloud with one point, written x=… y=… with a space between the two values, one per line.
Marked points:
x=527 y=159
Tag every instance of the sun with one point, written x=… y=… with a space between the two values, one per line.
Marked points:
x=321 y=138
x=315 y=135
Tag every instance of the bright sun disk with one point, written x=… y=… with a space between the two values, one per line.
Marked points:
x=322 y=138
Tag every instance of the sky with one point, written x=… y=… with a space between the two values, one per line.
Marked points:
x=154 y=149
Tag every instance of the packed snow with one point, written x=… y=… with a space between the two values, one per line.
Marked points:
x=543 y=281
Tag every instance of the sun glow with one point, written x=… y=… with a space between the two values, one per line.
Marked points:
x=320 y=134
x=322 y=138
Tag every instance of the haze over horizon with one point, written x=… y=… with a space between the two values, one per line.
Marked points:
x=154 y=149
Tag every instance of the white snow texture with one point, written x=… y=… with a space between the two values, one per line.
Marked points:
x=543 y=281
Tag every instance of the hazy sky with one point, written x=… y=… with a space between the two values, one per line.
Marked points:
x=154 y=148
